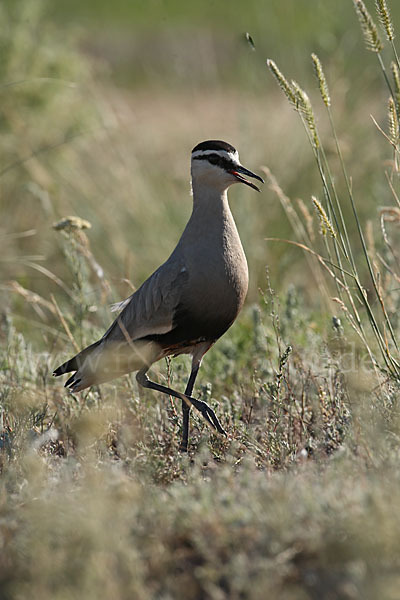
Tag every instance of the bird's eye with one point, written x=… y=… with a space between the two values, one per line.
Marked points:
x=213 y=159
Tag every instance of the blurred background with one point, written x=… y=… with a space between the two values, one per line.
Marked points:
x=101 y=104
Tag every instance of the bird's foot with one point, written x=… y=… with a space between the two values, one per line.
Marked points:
x=208 y=414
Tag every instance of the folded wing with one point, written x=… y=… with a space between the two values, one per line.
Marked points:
x=151 y=309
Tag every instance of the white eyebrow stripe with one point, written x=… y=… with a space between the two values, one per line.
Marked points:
x=223 y=153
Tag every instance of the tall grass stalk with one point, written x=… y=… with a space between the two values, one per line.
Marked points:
x=304 y=234
x=341 y=242
x=327 y=180
x=301 y=103
x=364 y=247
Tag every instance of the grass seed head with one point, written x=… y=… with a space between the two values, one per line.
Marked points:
x=304 y=107
x=385 y=18
x=298 y=97
x=326 y=225
x=396 y=81
x=282 y=81
x=369 y=29
x=308 y=219
x=393 y=122
x=323 y=85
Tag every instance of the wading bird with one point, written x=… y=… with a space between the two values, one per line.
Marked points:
x=187 y=303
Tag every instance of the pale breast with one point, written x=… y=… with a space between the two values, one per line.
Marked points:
x=218 y=279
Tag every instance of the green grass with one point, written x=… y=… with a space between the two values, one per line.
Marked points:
x=299 y=501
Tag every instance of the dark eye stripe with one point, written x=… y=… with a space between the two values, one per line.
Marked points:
x=212 y=158
x=215 y=159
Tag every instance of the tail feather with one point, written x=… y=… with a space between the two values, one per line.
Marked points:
x=67 y=367
x=103 y=362
x=74 y=363
x=70 y=380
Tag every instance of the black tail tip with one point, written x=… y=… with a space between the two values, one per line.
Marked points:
x=57 y=372
x=71 y=381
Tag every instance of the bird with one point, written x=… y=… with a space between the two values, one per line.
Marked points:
x=189 y=302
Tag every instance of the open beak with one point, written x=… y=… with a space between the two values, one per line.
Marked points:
x=239 y=171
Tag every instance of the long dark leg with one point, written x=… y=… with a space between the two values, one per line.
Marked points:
x=186 y=407
x=206 y=411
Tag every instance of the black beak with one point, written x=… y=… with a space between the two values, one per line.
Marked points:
x=239 y=170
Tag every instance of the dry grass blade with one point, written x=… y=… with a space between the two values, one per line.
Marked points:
x=19 y=234
x=38 y=151
x=379 y=128
x=32 y=297
x=304 y=235
x=390 y=214
x=393 y=191
x=286 y=204
x=50 y=275
x=389 y=268
x=308 y=219
x=323 y=261
x=64 y=324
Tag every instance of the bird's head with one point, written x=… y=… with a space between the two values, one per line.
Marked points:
x=216 y=164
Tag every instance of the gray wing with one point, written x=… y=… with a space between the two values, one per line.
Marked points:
x=151 y=309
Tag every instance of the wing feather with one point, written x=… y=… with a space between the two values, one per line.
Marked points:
x=151 y=309
x=116 y=306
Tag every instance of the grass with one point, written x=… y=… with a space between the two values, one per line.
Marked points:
x=299 y=501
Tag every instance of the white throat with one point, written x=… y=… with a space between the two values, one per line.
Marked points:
x=209 y=195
